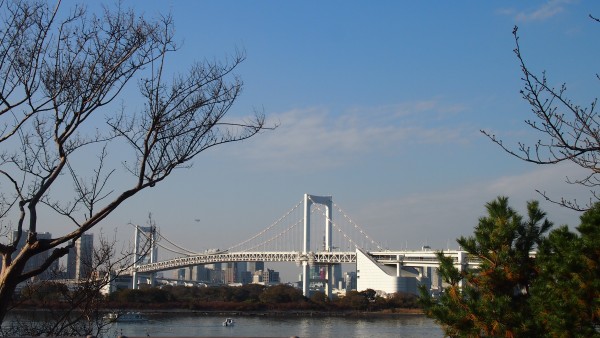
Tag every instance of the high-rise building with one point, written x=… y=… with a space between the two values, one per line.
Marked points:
x=350 y=280
x=201 y=273
x=240 y=272
x=79 y=259
x=336 y=272
x=215 y=273
x=37 y=260
x=255 y=266
x=246 y=277
x=257 y=277
x=181 y=274
x=270 y=277
x=230 y=273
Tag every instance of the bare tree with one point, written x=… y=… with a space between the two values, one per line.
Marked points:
x=568 y=132
x=61 y=77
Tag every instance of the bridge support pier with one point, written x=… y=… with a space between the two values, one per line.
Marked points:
x=305 y=279
x=329 y=284
x=134 y=280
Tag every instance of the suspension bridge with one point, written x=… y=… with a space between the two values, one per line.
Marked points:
x=308 y=235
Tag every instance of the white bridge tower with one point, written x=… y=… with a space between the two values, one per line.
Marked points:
x=144 y=244
x=326 y=201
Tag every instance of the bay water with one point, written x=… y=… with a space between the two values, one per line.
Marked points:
x=197 y=325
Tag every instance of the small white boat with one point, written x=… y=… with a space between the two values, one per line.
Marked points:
x=228 y=322
x=111 y=317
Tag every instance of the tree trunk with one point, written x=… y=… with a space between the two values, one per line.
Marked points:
x=8 y=284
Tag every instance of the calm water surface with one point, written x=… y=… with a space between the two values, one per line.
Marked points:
x=251 y=326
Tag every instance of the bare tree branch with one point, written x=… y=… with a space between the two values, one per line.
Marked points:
x=60 y=78
x=569 y=132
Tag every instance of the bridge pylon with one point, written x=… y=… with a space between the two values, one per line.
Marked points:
x=326 y=201
x=149 y=247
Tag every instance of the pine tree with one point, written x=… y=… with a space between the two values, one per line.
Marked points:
x=492 y=300
x=566 y=297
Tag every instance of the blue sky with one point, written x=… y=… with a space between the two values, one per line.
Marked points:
x=380 y=105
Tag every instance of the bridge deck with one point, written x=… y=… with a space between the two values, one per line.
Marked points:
x=408 y=258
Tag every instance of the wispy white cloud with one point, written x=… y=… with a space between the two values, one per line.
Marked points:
x=546 y=11
x=433 y=108
x=327 y=138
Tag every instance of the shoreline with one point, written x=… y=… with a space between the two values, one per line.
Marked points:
x=290 y=313
x=266 y=313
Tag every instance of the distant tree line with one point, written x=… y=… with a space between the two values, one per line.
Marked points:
x=250 y=297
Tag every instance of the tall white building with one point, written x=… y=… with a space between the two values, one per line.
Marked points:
x=79 y=259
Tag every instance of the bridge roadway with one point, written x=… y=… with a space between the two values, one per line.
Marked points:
x=404 y=258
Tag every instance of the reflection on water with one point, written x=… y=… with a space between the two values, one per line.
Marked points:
x=247 y=326
x=198 y=325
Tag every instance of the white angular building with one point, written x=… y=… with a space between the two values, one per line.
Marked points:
x=386 y=279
